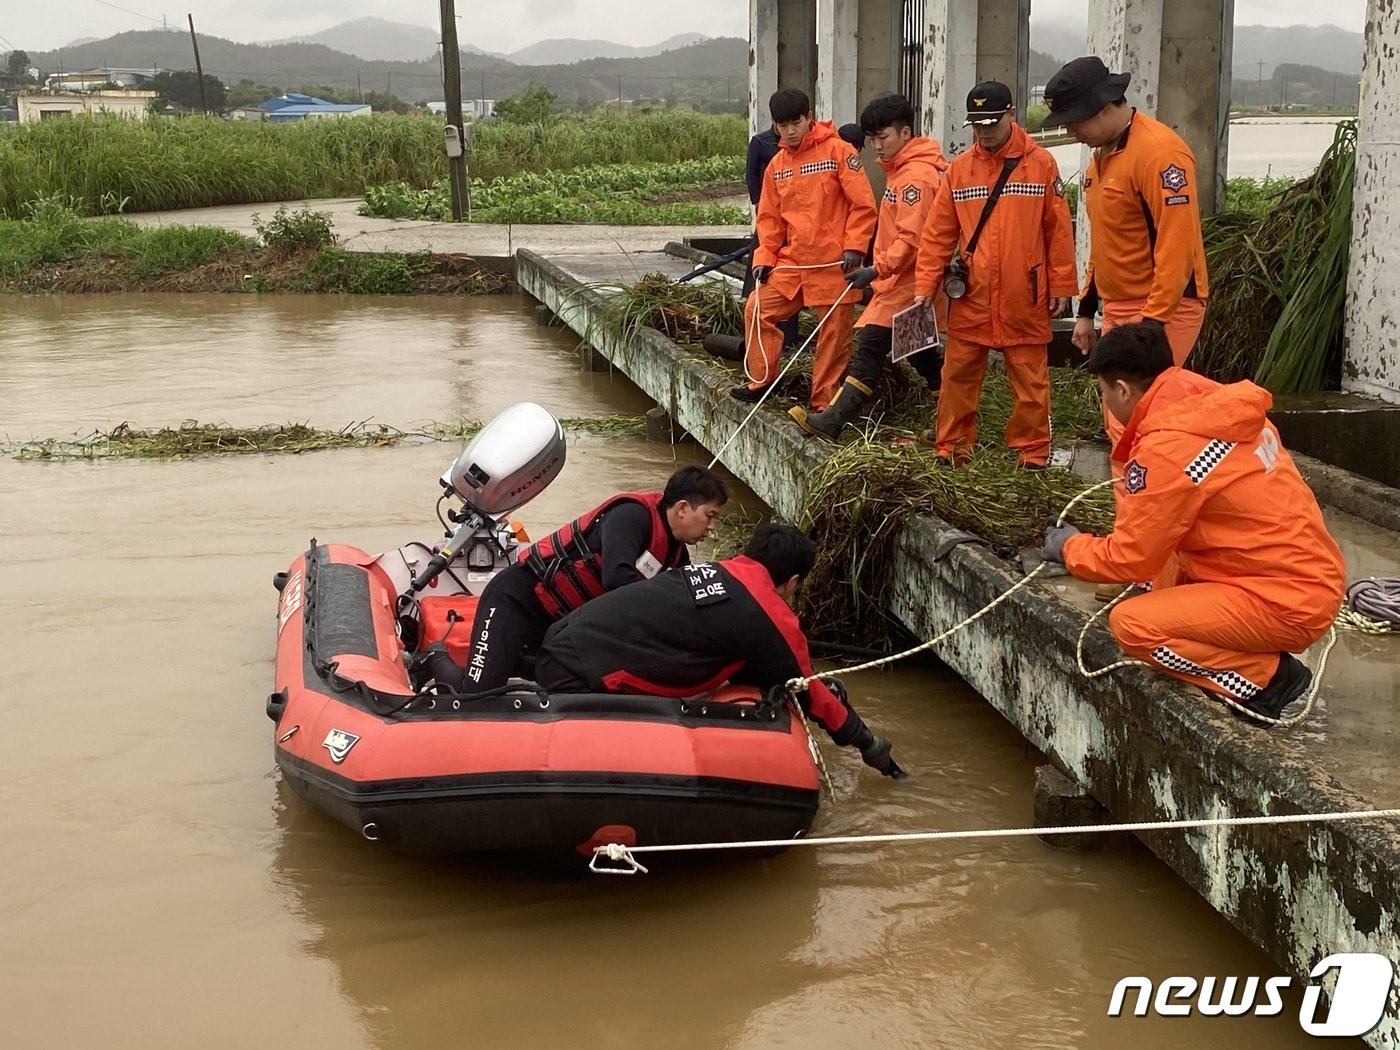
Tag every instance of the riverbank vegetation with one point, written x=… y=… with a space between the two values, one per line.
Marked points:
x=159 y=165
x=55 y=249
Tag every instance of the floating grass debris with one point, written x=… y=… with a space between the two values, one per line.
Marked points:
x=194 y=439
x=867 y=491
x=685 y=313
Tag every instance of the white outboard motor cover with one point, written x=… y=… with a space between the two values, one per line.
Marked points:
x=510 y=462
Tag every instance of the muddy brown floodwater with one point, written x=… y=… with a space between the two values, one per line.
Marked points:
x=161 y=889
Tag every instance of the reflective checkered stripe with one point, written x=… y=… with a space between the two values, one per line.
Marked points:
x=889 y=197
x=1235 y=684
x=782 y=173
x=1208 y=459
x=971 y=193
x=818 y=166
x=1024 y=189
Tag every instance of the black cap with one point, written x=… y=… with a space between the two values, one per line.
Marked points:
x=853 y=135
x=1080 y=89
x=987 y=102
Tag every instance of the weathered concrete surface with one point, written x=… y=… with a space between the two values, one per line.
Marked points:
x=1372 y=362
x=1360 y=434
x=1145 y=747
x=782 y=53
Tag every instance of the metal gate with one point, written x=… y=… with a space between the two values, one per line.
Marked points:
x=911 y=64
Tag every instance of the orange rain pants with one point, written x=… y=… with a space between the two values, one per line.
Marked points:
x=1028 y=429
x=1213 y=635
x=1181 y=331
x=761 y=356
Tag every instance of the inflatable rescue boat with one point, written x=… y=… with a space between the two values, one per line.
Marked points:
x=362 y=736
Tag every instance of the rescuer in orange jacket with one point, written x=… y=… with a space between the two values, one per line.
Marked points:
x=629 y=537
x=815 y=220
x=1020 y=274
x=689 y=631
x=1216 y=516
x=913 y=168
x=1147 y=259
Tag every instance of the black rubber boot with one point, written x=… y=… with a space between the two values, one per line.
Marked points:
x=1289 y=682
x=848 y=403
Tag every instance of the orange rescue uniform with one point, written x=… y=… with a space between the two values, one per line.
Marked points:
x=1146 y=255
x=816 y=204
x=1024 y=258
x=1215 y=513
x=911 y=185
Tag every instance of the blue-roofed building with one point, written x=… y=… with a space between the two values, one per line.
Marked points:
x=293 y=106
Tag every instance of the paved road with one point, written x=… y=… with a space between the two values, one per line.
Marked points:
x=365 y=234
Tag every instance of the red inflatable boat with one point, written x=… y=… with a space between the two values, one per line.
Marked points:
x=427 y=773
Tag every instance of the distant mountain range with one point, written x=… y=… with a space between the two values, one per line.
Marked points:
x=379 y=40
x=1325 y=47
x=372 y=54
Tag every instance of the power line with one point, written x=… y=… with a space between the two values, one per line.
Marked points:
x=128 y=11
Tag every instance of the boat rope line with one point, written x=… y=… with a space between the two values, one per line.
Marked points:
x=792 y=359
x=797 y=685
x=624 y=855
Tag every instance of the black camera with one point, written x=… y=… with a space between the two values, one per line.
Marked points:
x=955 y=278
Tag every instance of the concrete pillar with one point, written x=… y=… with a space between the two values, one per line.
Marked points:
x=1193 y=86
x=966 y=42
x=950 y=70
x=1063 y=803
x=1371 y=364
x=782 y=53
x=857 y=55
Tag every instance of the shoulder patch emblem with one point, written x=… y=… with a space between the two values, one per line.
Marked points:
x=853 y=162
x=1173 y=177
x=1134 y=478
x=912 y=195
x=1059 y=186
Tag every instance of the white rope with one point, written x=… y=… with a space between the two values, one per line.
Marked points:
x=617 y=852
x=755 y=328
x=1351 y=620
x=774 y=385
x=796 y=685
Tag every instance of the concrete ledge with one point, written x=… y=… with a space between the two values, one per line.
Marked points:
x=1144 y=746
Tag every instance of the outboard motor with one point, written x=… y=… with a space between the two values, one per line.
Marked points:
x=509 y=463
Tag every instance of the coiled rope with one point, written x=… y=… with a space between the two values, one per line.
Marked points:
x=1372 y=606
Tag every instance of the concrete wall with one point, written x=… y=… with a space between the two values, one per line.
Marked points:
x=1194 y=86
x=950 y=70
x=857 y=55
x=782 y=53
x=1372 y=362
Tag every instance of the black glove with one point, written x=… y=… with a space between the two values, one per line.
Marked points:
x=863 y=277
x=876 y=755
x=761 y=273
x=1055 y=536
x=851 y=260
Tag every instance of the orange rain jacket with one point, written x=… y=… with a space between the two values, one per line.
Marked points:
x=1207 y=480
x=1025 y=256
x=1145 y=222
x=817 y=204
x=911 y=184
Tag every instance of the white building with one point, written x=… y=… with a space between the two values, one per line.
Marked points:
x=34 y=106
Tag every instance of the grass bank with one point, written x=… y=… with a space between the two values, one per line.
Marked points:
x=55 y=249
x=160 y=165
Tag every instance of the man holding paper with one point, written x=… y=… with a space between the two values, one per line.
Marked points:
x=913 y=168
x=998 y=242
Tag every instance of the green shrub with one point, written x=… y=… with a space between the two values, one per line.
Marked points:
x=166 y=249
x=359 y=273
x=302 y=228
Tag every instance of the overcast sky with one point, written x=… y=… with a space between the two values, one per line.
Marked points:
x=503 y=26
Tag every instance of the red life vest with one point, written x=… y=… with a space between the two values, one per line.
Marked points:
x=571 y=572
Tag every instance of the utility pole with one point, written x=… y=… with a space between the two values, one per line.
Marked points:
x=619 y=92
x=198 y=69
x=452 y=98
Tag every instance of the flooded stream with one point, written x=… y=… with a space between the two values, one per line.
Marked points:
x=162 y=889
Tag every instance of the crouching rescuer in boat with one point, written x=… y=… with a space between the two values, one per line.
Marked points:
x=1215 y=514
x=686 y=632
x=626 y=539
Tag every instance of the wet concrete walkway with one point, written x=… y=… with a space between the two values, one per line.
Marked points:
x=363 y=233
